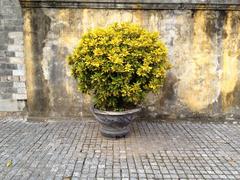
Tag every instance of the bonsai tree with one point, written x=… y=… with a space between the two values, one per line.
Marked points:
x=119 y=65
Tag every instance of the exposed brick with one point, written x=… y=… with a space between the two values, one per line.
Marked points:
x=6 y=84
x=3 y=36
x=5 y=96
x=7 y=66
x=8 y=90
x=6 y=72
x=9 y=105
x=5 y=78
x=15 y=35
x=18 y=73
x=12 y=28
x=3 y=47
x=19 y=84
x=11 y=52
x=10 y=41
x=16 y=78
x=14 y=47
x=14 y=22
x=22 y=78
x=10 y=78
x=19 y=55
x=16 y=60
x=21 y=90
x=19 y=96
x=2 y=54
x=21 y=67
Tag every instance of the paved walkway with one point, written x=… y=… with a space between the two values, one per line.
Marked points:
x=154 y=150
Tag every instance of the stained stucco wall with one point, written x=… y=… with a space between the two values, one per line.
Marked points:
x=203 y=48
x=12 y=72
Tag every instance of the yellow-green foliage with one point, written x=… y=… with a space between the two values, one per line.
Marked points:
x=119 y=64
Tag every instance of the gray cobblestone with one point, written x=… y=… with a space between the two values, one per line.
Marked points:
x=57 y=150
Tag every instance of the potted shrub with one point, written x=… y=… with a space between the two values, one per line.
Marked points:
x=118 y=65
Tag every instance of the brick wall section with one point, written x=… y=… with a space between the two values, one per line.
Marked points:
x=12 y=72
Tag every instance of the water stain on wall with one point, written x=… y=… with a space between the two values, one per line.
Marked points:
x=36 y=28
x=196 y=88
x=230 y=64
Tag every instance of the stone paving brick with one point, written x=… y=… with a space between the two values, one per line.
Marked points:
x=154 y=150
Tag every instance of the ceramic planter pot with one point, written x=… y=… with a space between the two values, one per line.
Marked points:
x=115 y=124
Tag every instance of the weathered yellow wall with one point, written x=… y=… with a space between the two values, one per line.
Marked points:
x=203 y=48
x=230 y=59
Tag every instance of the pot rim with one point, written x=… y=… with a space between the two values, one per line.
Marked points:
x=116 y=113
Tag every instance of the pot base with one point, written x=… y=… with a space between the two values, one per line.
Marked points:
x=115 y=124
x=114 y=132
